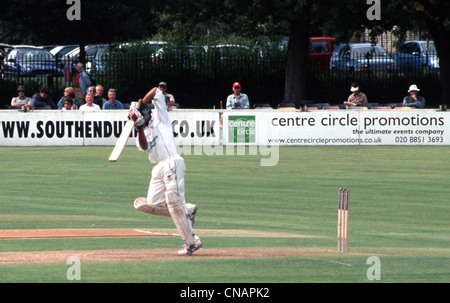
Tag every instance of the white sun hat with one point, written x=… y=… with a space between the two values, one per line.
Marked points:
x=413 y=87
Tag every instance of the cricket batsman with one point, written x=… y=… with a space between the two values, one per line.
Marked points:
x=165 y=195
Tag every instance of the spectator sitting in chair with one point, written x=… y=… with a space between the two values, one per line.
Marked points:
x=42 y=100
x=89 y=106
x=112 y=103
x=357 y=97
x=98 y=98
x=68 y=104
x=237 y=99
x=69 y=92
x=163 y=88
x=414 y=100
x=21 y=99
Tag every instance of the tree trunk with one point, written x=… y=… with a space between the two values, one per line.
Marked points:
x=296 y=65
x=444 y=64
x=82 y=53
x=440 y=35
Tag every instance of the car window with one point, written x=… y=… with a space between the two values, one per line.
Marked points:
x=404 y=49
x=319 y=47
x=408 y=48
x=415 y=48
x=345 y=52
x=431 y=49
x=91 y=51
x=33 y=54
x=375 y=51
x=12 y=54
x=64 y=51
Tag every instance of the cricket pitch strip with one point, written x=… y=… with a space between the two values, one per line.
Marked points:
x=147 y=254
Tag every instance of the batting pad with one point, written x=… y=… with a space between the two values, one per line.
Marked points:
x=179 y=217
x=158 y=210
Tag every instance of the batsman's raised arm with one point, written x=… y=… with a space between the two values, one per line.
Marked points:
x=141 y=117
x=149 y=97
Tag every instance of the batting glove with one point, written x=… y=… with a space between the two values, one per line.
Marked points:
x=137 y=117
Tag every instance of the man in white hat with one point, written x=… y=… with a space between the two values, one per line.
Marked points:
x=414 y=100
x=357 y=97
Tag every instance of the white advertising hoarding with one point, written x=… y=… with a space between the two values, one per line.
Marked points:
x=337 y=127
x=50 y=128
x=241 y=127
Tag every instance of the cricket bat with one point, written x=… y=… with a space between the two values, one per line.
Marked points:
x=122 y=141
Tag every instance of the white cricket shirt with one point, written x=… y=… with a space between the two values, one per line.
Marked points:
x=159 y=133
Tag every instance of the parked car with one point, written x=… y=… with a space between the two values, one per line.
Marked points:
x=152 y=46
x=321 y=49
x=60 y=51
x=91 y=51
x=5 y=49
x=360 y=57
x=417 y=56
x=29 y=61
x=48 y=47
x=235 y=54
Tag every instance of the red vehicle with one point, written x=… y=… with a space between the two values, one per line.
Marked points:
x=320 y=52
x=4 y=49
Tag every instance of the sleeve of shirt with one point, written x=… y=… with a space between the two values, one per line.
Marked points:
x=85 y=82
x=61 y=103
x=420 y=102
x=405 y=101
x=229 y=102
x=246 y=102
x=160 y=107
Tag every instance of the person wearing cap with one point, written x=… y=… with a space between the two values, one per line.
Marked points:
x=42 y=100
x=169 y=98
x=21 y=99
x=357 y=97
x=413 y=99
x=237 y=99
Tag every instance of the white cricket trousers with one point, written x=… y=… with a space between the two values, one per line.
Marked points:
x=167 y=175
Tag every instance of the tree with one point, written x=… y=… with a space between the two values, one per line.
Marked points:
x=430 y=15
x=45 y=22
x=305 y=18
x=195 y=20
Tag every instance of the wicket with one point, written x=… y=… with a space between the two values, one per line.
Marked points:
x=342 y=230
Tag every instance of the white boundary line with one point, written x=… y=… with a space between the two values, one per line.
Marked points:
x=149 y=232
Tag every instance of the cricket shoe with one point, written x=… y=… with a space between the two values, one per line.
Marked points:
x=192 y=211
x=189 y=249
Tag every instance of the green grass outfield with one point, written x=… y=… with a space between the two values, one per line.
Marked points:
x=399 y=212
